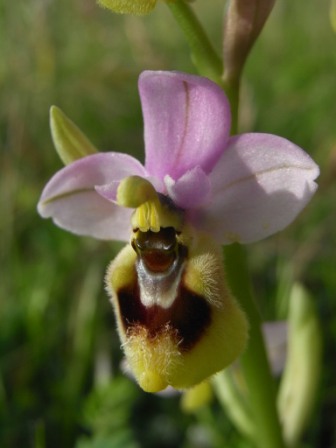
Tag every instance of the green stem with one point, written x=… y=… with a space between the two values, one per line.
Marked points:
x=232 y=90
x=207 y=62
x=254 y=362
x=255 y=366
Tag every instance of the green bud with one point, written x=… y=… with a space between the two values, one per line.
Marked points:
x=332 y=14
x=70 y=143
x=137 y=7
x=301 y=377
x=231 y=392
x=196 y=397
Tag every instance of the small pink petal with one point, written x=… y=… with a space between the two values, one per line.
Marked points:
x=187 y=122
x=192 y=190
x=260 y=184
x=71 y=200
x=108 y=191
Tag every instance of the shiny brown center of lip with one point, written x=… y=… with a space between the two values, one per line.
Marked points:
x=158 y=250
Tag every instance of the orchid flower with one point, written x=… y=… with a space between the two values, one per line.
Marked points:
x=198 y=189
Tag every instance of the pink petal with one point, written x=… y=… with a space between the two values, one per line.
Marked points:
x=108 y=191
x=71 y=200
x=187 y=122
x=260 y=184
x=192 y=190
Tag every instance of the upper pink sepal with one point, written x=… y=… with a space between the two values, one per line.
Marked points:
x=187 y=122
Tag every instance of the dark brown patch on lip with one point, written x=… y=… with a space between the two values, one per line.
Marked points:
x=188 y=317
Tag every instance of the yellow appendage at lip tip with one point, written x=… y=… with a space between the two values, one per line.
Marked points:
x=151 y=381
x=151 y=358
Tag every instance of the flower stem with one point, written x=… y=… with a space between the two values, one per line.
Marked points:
x=204 y=57
x=255 y=366
x=232 y=90
x=254 y=362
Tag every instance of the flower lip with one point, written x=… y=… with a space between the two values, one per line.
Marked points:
x=168 y=323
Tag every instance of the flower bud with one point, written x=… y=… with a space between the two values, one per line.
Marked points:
x=70 y=143
x=231 y=391
x=196 y=397
x=332 y=14
x=243 y=23
x=137 y=7
x=300 y=381
x=230 y=385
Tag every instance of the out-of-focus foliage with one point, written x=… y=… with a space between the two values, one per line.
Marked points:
x=60 y=383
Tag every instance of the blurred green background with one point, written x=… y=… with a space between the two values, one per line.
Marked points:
x=60 y=383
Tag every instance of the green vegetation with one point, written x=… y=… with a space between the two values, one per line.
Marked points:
x=60 y=379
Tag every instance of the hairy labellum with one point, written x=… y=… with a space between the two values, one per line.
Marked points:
x=176 y=317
